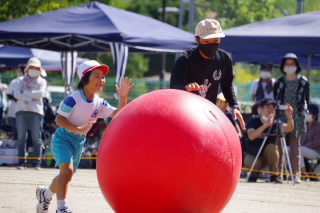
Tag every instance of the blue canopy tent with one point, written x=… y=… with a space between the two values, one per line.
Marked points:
x=11 y=57
x=94 y=27
x=275 y=59
x=299 y=34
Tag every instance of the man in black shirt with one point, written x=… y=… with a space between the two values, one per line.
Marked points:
x=257 y=129
x=202 y=69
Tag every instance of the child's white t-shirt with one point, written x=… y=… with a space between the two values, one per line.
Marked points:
x=80 y=111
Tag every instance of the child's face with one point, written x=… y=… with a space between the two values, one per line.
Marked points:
x=222 y=105
x=97 y=80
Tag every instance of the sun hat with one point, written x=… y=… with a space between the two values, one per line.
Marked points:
x=87 y=66
x=209 y=28
x=291 y=56
x=35 y=62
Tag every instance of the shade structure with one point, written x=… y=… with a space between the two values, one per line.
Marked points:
x=299 y=34
x=94 y=27
x=11 y=57
x=312 y=62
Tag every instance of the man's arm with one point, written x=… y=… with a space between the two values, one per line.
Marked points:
x=179 y=73
x=275 y=91
x=255 y=133
x=253 y=90
x=226 y=82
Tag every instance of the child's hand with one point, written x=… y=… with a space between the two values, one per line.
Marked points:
x=82 y=130
x=125 y=87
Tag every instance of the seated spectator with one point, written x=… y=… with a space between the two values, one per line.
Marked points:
x=223 y=105
x=310 y=141
x=257 y=129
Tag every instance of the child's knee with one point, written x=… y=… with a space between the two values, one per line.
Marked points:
x=66 y=174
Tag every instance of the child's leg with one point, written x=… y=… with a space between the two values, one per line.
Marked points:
x=61 y=182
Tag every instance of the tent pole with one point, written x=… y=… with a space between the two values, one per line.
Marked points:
x=309 y=66
x=69 y=67
x=163 y=67
x=65 y=68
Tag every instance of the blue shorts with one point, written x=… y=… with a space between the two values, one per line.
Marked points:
x=67 y=147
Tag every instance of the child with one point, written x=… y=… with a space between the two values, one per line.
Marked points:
x=75 y=116
x=223 y=105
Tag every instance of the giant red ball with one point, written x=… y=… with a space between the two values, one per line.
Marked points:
x=169 y=151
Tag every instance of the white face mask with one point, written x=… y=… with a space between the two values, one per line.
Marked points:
x=309 y=118
x=290 y=70
x=33 y=73
x=265 y=74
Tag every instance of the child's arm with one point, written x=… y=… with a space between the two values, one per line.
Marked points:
x=123 y=92
x=64 y=122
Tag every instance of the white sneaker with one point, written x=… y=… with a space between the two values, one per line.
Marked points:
x=21 y=166
x=43 y=203
x=297 y=179
x=64 y=209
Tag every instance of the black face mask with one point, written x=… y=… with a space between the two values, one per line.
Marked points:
x=209 y=49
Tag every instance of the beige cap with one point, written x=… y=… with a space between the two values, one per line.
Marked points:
x=35 y=62
x=209 y=28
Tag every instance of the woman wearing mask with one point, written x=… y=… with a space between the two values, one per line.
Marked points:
x=293 y=88
x=30 y=90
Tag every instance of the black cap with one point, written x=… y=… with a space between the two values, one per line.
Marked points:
x=265 y=66
x=313 y=109
x=267 y=101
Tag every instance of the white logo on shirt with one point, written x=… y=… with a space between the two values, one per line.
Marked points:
x=216 y=75
x=206 y=85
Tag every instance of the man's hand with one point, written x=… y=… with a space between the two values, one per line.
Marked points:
x=269 y=122
x=193 y=87
x=237 y=115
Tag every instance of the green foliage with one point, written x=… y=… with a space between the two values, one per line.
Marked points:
x=237 y=12
x=137 y=65
x=11 y=9
x=246 y=73
x=289 y=7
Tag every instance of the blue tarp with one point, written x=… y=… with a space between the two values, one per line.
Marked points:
x=11 y=57
x=90 y=27
x=299 y=34
x=276 y=60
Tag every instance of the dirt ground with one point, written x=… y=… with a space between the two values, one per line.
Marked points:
x=17 y=194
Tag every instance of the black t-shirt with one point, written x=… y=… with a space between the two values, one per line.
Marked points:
x=192 y=67
x=252 y=147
